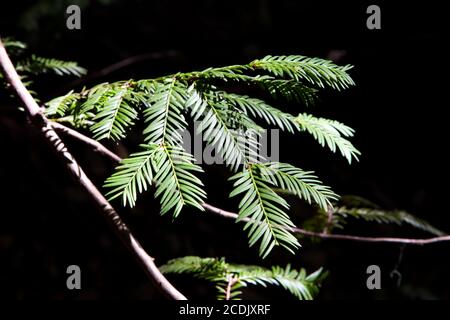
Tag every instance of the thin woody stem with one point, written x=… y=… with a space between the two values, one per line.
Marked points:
x=96 y=146
x=232 y=215
x=47 y=130
x=232 y=279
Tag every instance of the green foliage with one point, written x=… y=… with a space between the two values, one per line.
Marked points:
x=33 y=65
x=229 y=124
x=117 y=113
x=363 y=209
x=330 y=133
x=303 y=184
x=37 y=65
x=269 y=222
x=164 y=113
x=223 y=127
x=259 y=108
x=229 y=278
x=266 y=209
x=134 y=174
x=317 y=72
x=11 y=45
x=398 y=217
x=171 y=169
x=29 y=66
x=290 y=90
x=176 y=184
x=60 y=105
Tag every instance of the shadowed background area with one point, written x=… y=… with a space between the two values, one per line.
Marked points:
x=397 y=106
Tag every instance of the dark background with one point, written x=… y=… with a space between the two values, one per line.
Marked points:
x=397 y=108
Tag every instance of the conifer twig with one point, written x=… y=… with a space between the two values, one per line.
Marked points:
x=97 y=146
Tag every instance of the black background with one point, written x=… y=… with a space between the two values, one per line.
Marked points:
x=397 y=108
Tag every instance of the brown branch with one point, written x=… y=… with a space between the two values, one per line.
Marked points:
x=232 y=215
x=46 y=129
x=132 y=60
x=120 y=65
x=96 y=146
x=227 y=214
x=232 y=279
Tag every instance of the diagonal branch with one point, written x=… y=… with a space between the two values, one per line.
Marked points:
x=47 y=130
x=170 y=54
x=97 y=146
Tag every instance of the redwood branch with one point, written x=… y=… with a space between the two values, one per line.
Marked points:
x=48 y=132
x=227 y=214
x=98 y=147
